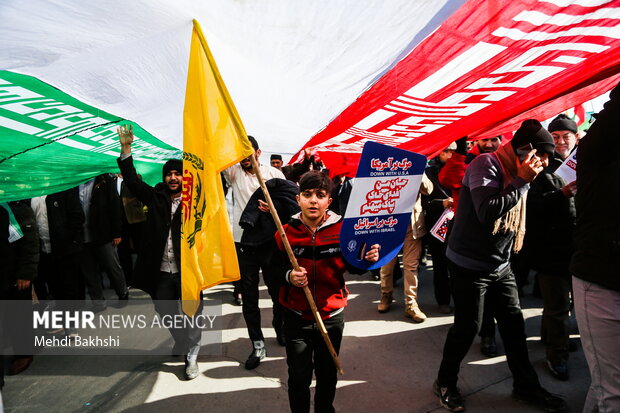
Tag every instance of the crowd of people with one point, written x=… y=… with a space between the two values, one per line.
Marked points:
x=512 y=214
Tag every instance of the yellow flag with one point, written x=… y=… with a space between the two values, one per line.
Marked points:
x=213 y=139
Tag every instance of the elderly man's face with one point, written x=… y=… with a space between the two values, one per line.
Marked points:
x=564 y=141
x=276 y=163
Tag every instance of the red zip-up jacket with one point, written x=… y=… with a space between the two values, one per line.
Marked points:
x=319 y=253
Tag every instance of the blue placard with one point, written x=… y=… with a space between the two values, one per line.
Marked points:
x=384 y=193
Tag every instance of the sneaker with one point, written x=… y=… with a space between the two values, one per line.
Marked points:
x=414 y=312
x=449 y=397
x=559 y=369
x=191 y=369
x=385 y=302
x=488 y=346
x=540 y=398
x=255 y=357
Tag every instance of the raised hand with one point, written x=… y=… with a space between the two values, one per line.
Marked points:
x=125 y=135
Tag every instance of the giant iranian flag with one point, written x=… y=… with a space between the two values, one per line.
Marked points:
x=415 y=74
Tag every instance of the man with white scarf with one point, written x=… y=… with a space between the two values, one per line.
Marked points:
x=488 y=227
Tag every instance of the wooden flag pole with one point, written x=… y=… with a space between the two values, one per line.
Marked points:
x=291 y=257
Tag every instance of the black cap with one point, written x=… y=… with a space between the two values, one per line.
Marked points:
x=172 y=165
x=563 y=122
x=276 y=156
x=532 y=132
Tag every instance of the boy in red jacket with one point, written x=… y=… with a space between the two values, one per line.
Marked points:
x=314 y=236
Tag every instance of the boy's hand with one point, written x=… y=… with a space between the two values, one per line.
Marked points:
x=263 y=206
x=372 y=255
x=125 y=135
x=299 y=278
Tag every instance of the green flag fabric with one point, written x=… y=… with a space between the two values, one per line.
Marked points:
x=50 y=141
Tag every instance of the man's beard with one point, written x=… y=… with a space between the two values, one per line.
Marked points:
x=245 y=168
x=173 y=191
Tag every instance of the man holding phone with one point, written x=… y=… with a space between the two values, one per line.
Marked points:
x=488 y=227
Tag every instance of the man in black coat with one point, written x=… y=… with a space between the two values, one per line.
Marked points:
x=102 y=234
x=595 y=264
x=434 y=206
x=548 y=244
x=158 y=268
x=20 y=266
x=60 y=220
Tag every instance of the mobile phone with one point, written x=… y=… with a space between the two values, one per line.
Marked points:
x=522 y=151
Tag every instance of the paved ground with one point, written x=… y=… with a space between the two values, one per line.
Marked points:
x=390 y=364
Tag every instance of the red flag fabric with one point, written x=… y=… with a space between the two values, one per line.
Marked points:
x=486 y=69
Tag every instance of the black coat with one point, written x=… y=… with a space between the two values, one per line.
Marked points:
x=65 y=218
x=259 y=227
x=5 y=281
x=597 y=235
x=23 y=256
x=550 y=223
x=105 y=210
x=433 y=202
x=156 y=229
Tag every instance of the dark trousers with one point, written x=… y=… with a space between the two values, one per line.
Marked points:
x=554 y=329
x=167 y=303
x=252 y=259
x=441 y=280
x=60 y=277
x=469 y=291
x=487 y=329
x=130 y=240
x=102 y=257
x=306 y=352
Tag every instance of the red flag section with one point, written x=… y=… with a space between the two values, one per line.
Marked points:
x=486 y=69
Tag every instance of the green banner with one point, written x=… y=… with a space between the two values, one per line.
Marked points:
x=50 y=141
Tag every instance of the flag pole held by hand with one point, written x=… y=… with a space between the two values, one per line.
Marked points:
x=289 y=252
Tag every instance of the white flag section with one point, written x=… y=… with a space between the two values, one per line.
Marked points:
x=290 y=66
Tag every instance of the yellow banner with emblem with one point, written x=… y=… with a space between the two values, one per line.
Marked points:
x=213 y=139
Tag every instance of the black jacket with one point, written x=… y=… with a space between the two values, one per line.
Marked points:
x=5 y=281
x=23 y=255
x=105 y=210
x=433 y=203
x=158 y=224
x=597 y=236
x=259 y=227
x=550 y=223
x=65 y=218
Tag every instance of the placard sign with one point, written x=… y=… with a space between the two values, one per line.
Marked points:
x=568 y=170
x=384 y=192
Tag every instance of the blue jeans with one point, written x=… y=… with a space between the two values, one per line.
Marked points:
x=470 y=289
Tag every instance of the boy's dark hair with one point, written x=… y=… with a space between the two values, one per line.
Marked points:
x=253 y=142
x=315 y=180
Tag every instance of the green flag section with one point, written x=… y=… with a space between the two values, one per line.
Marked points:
x=50 y=141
